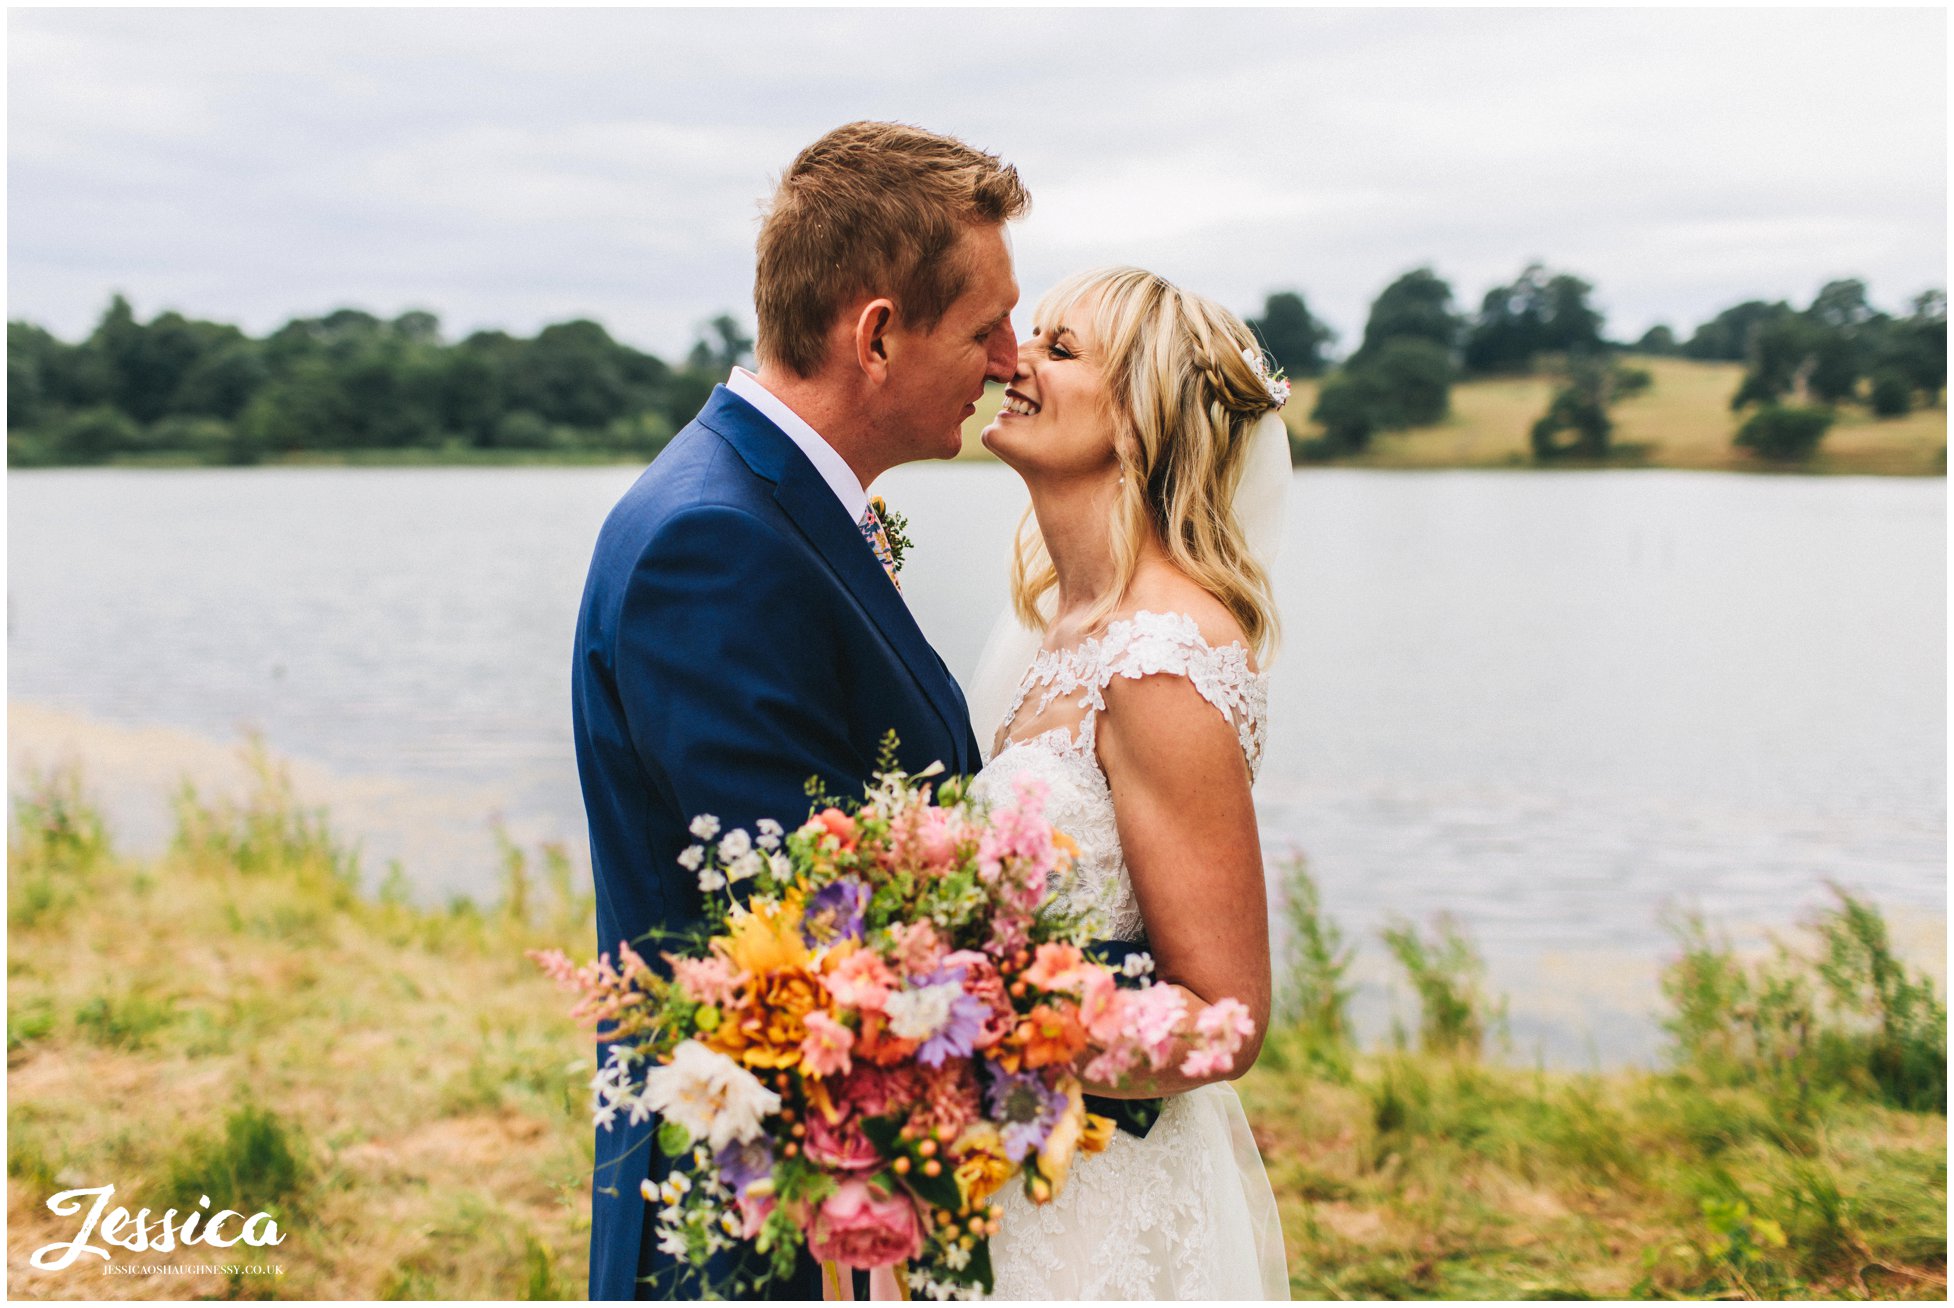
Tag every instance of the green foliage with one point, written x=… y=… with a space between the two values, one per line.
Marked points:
x=1892 y=393
x=175 y=388
x=1784 y=433
x=1808 y=1029
x=1590 y=384
x=1539 y=313
x=55 y=847
x=1659 y=340
x=125 y=1021
x=1314 y=996
x=256 y=1162
x=1449 y=976
x=1728 y=336
x=1416 y=305
x=1295 y=336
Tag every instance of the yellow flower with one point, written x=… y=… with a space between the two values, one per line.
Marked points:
x=1098 y=1133
x=767 y=938
x=765 y=1026
x=1068 y=846
x=982 y=1167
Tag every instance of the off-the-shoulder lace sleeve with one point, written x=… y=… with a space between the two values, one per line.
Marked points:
x=1171 y=644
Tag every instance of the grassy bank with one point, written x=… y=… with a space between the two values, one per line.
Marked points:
x=1682 y=421
x=401 y=1089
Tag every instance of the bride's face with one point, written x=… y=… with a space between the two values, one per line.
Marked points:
x=1057 y=417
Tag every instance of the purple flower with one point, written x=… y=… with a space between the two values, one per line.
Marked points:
x=957 y=1036
x=1025 y=1109
x=835 y=912
x=740 y=1165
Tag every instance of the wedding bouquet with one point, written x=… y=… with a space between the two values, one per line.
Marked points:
x=879 y=1033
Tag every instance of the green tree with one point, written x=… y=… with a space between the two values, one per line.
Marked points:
x=721 y=346
x=1785 y=433
x=1658 y=340
x=1727 y=336
x=1539 y=312
x=1419 y=305
x=1292 y=334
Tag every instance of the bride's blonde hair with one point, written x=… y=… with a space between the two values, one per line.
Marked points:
x=1184 y=401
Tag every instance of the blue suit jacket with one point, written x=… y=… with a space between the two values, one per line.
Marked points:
x=737 y=636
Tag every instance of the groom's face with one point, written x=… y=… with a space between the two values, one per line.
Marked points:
x=941 y=373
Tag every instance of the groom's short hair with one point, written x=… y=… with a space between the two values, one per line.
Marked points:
x=871 y=209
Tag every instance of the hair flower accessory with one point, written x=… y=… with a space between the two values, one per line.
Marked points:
x=1274 y=383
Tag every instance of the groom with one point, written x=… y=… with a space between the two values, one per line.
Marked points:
x=742 y=626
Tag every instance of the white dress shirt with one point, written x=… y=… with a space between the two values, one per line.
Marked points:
x=833 y=468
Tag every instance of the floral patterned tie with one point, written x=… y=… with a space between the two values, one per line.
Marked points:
x=878 y=540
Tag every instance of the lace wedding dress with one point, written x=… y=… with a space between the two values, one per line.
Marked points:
x=1186 y=1212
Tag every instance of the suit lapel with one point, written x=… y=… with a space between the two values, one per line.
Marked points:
x=808 y=500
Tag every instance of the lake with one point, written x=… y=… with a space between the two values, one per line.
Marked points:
x=1555 y=706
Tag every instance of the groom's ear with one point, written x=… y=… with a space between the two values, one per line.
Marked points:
x=872 y=326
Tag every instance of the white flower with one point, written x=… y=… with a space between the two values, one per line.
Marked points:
x=770 y=833
x=671 y=1242
x=711 y=879
x=735 y=845
x=705 y=826
x=920 y=1013
x=692 y=857
x=1137 y=964
x=956 y=1257
x=711 y=1096
x=746 y=865
x=782 y=866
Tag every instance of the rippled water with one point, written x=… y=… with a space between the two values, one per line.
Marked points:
x=1547 y=704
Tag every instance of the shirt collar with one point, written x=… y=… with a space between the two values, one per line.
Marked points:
x=833 y=468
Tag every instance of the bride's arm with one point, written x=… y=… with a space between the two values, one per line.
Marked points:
x=1187 y=828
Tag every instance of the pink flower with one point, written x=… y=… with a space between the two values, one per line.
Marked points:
x=711 y=980
x=858 y=1227
x=874 y=1091
x=1155 y=1016
x=915 y=948
x=1099 y=1006
x=840 y=1144
x=861 y=980
x=1218 y=1035
x=980 y=978
x=754 y=1211
x=924 y=838
x=824 y=1051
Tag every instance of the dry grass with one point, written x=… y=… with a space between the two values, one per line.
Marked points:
x=417 y=1063
x=1682 y=421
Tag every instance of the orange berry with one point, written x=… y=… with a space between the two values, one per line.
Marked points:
x=901 y=1166
x=927 y=1149
x=932 y=1168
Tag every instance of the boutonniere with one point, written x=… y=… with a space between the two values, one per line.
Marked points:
x=895 y=527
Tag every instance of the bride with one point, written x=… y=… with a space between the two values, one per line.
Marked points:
x=1131 y=417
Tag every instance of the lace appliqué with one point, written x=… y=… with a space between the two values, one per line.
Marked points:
x=1079 y=801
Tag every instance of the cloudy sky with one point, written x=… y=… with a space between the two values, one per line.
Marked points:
x=511 y=167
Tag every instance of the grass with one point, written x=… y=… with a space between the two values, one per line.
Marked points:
x=395 y=1084
x=402 y=1090
x=1682 y=421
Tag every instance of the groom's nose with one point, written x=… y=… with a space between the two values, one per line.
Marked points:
x=1002 y=364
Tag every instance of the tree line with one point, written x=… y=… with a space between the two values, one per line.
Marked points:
x=177 y=387
x=1801 y=364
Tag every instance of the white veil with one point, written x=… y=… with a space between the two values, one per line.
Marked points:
x=1261 y=505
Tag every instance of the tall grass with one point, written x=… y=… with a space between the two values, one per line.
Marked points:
x=240 y=1018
